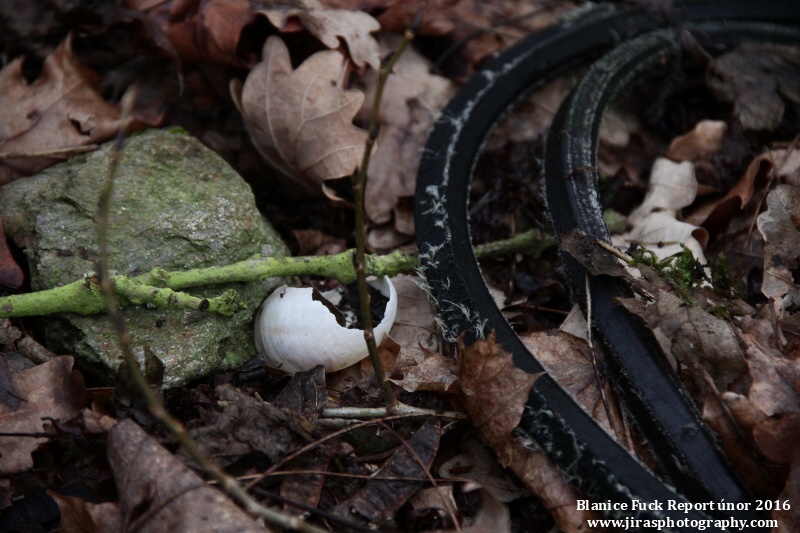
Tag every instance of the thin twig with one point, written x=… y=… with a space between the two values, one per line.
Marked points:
x=357 y=413
x=426 y=469
x=613 y=251
x=348 y=475
x=312 y=445
x=58 y=153
x=359 y=189
x=593 y=353
x=175 y=428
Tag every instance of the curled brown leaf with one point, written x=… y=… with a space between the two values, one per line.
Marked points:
x=158 y=494
x=201 y=31
x=60 y=109
x=301 y=120
x=494 y=392
x=54 y=391
x=330 y=25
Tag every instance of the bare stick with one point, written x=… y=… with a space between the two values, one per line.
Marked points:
x=58 y=153
x=597 y=376
x=176 y=429
x=359 y=188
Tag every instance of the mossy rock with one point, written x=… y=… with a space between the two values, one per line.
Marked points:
x=176 y=205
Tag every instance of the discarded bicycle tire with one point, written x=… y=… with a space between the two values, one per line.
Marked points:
x=695 y=469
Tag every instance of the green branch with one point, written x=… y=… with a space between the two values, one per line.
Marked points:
x=162 y=288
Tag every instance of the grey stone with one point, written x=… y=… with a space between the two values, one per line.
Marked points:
x=176 y=205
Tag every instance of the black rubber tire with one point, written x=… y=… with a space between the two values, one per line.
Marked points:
x=587 y=455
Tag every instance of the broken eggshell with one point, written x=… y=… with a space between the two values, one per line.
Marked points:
x=296 y=333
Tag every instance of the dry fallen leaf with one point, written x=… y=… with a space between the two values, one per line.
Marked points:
x=780 y=226
x=440 y=497
x=206 y=31
x=53 y=390
x=80 y=516
x=329 y=25
x=305 y=395
x=789 y=519
x=414 y=326
x=380 y=499
x=60 y=109
x=655 y=224
x=672 y=186
x=494 y=516
x=695 y=336
x=718 y=213
x=436 y=373
x=315 y=242
x=759 y=79
x=301 y=120
x=531 y=118
x=386 y=236
x=248 y=425
x=494 y=393
x=304 y=489
x=775 y=379
x=480 y=28
x=479 y=464
x=663 y=235
x=158 y=494
x=705 y=138
x=769 y=416
x=739 y=449
x=412 y=96
x=568 y=359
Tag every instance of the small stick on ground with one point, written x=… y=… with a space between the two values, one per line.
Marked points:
x=175 y=428
x=597 y=377
x=359 y=188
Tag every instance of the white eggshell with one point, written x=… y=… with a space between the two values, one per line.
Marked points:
x=296 y=333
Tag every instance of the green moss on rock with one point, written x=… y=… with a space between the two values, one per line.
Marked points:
x=176 y=205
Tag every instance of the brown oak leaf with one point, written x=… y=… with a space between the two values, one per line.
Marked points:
x=329 y=25
x=569 y=360
x=731 y=416
x=470 y=22
x=749 y=190
x=693 y=335
x=158 y=493
x=774 y=378
x=53 y=390
x=206 y=31
x=788 y=516
x=60 y=109
x=78 y=515
x=494 y=393
x=301 y=120
x=705 y=138
x=780 y=226
x=435 y=373
x=478 y=463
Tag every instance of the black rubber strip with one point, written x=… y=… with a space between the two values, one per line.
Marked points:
x=653 y=392
x=588 y=456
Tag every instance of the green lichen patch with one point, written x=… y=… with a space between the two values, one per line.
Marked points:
x=176 y=205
